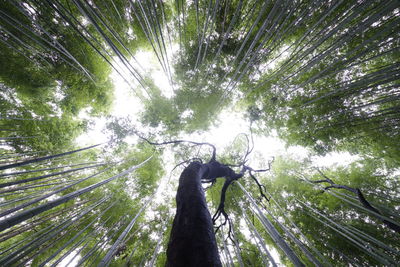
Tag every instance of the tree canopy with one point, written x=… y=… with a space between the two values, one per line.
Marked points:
x=320 y=77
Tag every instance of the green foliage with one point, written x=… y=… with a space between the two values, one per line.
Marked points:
x=323 y=75
x=58 y=78
x=289 y=183
x=335 y=98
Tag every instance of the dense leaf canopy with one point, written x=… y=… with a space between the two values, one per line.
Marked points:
x=319 y=76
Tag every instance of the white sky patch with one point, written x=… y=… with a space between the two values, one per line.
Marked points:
x=150 y=64
x=280 y=56
x=224 y=133
x=125 y=103
x=230 y=124
x=66 y=260
x=94 y=135
x=334 y=159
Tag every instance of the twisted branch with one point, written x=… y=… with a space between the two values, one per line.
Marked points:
x=360 y=196
x=214 y=169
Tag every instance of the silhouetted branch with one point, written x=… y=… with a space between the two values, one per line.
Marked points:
x=214 y=169
x=332 y=184
x=181 y=141
x=360 y=196
x=261 y=187
x=186 y=161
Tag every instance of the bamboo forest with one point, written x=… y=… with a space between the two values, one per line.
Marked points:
x=199 y=133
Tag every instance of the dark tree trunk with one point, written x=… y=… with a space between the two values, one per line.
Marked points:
x=192 y=241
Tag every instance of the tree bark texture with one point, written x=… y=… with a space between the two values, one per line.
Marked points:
x=192 y=241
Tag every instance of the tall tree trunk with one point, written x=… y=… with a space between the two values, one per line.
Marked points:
x=192 y=240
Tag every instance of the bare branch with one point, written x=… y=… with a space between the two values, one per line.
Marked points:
x=214 y=150
x=215 y=169
x=186 y=161
x=261 y=187
x=360 y=196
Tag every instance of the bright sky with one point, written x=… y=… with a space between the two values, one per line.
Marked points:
x=126 y=104
x=72 y=256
